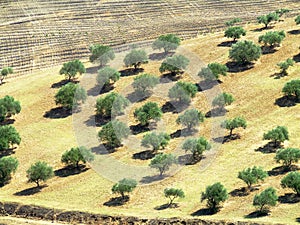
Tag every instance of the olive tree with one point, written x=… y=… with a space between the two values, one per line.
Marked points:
x=167 y=42
x=232 y=22
x=265 y=199
x=252 y=176
x=76 y=155
x=4 y=73
x=163 y=162
x=213 y=71
x=282 y=11
x=245 y=52
x=111 y=105
x=297 y=20
x=8 y=137
x=39 y=171
x=214 y=194
x=287 y=156
x=284 y=66
x=272 y=38
x=124 y=186
x=149 y=111
x=144 y=83
x=231 y=124
x=135 y=58
x=292 y=89
x=277 y=135
x=107 y=76
x=8 y=107
x=8 y=165
x=156 y=140
x=267 y=19
x=190 y=118
x=223 y=100
x=235 y=32
x=72 y=68
x=113 y=132
x=182 y=92
x=196 y=146
x=173 y=193
x=292 y=180
x=174 y=64
x=101 y=53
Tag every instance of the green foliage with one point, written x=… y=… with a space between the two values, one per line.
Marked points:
x=277 y=135
x=149 y=111
x=8 y=107
x=297 y=20
x=292 y=88
x=234 y=123
x=135 y=58
x=252 y=175
x=70 y=95
x=156 y=140
x=167 y=42
x=223 y=100
x=106 y=75
x=173 y=193
x=76 y=155
x=111 y=105
x=292 y=180
x=285 y=65
x=124 y=186
x=144 y=83
x=267 y=19
x=288 y=156
x=282 y=11
x=190 y=118
x=214 y=194
x=101 y=53
x=196 y=146
x=8 y=137
x=113 y=132
x=72 y=68
x=174 y=64
x=213 y=71
x=232 y=22
x=235 y=32
x=182 y=92
x=8 y=165
x=244 y=52
x=4 y=73
x=265 y=199
x=272 y=38
x=39 y=171
x=163 y=162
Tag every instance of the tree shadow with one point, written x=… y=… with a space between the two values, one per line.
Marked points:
x=70 y=171
x=234 y=67
x=290 y=198
x=167 y=206
x=7 y=152
x=58 y=113
x=278 y=75
x=137 y=129
x=286 y=101
x=117 y=201
x=203 y=212
x=296 y=58
x=226 y=43
x=189 y=160
x=268 y=50
x=174 y=107
x=270 y=147
x=151 y=179
x=7 y=121
x=144 y=155
x=59 y=84
x=97 y=90
x=130 y=72
x=239 y=192
x=30 y=191
x=137 y=96
x=182 y=133
x=298 y=219
x=216 y=112
x=103 y=149
x=170 y=77
x=93 y=69
x=160 y=56
x=207 y=84
x=294 y=32
x=227 y=138
x=97 y=120
x=256 y=214
x=262 y=29
x=280 y=170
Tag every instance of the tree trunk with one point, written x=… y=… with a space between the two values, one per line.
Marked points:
x=230 y=134
x=37 y=183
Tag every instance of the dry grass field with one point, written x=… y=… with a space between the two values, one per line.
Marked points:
x=255 y=91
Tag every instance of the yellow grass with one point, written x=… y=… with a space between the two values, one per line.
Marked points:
x=255 y=93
